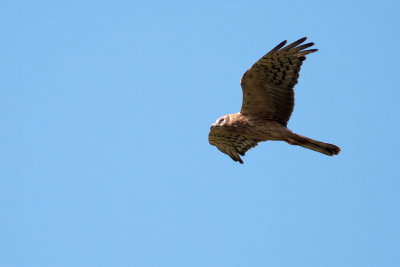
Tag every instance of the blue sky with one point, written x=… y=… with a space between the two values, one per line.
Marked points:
x=105 y=112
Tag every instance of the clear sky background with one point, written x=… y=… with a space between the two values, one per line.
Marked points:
x=105 y=109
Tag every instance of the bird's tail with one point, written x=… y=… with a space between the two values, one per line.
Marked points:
x=324 y=148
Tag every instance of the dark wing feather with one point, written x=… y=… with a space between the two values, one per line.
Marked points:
x=231 y=143
x=268 y=85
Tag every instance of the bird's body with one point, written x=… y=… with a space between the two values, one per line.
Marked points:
x=268 y=101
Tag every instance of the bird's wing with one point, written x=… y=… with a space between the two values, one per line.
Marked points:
x=231 y=143
x=268 y=85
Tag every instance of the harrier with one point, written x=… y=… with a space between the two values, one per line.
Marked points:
x=268 y=101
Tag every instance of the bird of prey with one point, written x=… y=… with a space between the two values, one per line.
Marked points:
x=268 y=101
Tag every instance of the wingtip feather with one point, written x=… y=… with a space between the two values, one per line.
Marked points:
x=302 y=39
x=279 y=46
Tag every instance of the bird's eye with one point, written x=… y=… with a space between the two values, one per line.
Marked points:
x=221 y=120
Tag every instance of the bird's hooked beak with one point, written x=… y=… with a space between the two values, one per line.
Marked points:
x=214 y=125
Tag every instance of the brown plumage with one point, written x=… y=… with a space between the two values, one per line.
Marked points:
x=268 y=101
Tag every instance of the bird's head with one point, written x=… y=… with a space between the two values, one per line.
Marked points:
x=221 y=121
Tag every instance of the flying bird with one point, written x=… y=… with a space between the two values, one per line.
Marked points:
x=268 y=101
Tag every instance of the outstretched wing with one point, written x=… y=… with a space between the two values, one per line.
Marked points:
x=231 y=143
x=268 y=85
